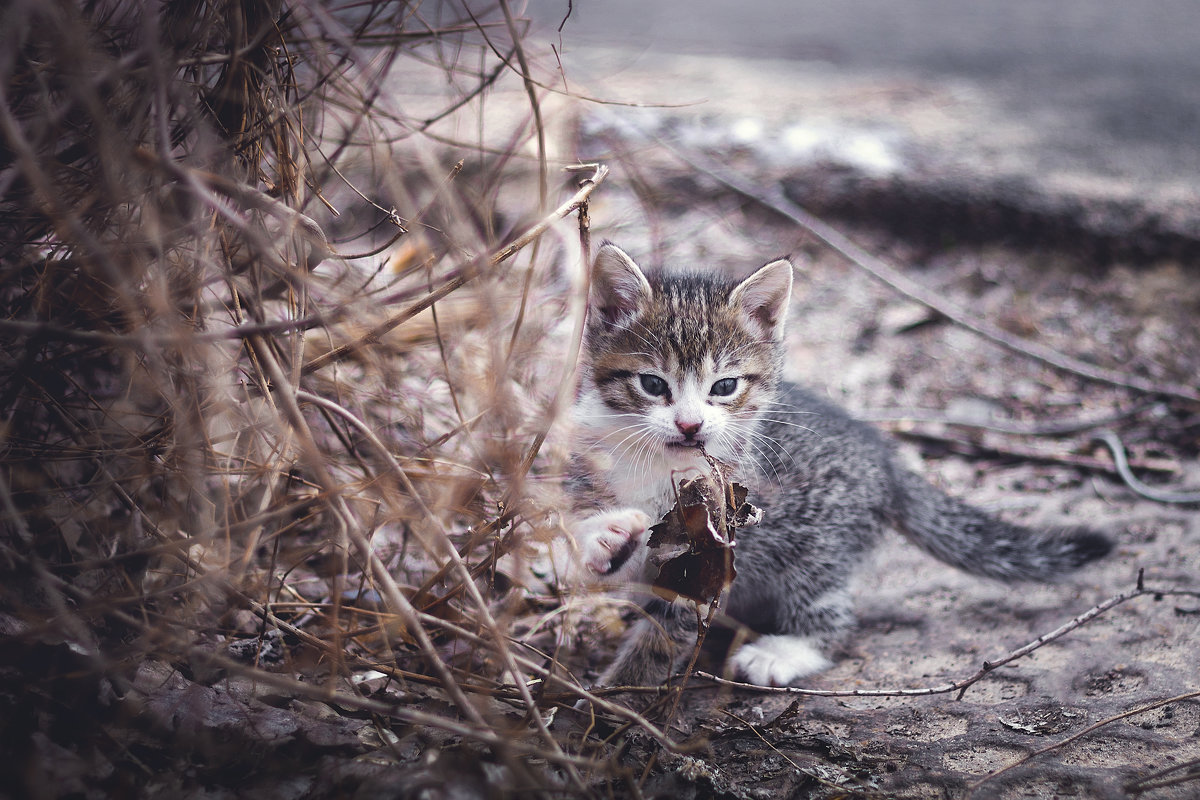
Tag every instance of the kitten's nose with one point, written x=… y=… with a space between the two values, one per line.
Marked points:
x=688 y=429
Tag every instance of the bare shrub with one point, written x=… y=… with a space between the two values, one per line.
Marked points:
x=274 y=389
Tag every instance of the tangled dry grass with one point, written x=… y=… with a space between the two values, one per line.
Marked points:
x=266 y=343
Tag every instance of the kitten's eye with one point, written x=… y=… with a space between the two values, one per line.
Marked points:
x=724 y=387
x=654 y=385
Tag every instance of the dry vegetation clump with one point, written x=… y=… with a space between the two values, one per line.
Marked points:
x=279 y=361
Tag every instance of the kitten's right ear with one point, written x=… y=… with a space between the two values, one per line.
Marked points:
x=618 y=286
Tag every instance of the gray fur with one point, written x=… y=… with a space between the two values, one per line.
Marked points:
x=829 y=485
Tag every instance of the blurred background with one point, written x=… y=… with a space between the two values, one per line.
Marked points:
x=1076 y=103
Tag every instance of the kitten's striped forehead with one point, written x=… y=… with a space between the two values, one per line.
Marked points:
x=697 y=327
x=687 y=326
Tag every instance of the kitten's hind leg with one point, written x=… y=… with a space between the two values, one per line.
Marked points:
x=654 y=647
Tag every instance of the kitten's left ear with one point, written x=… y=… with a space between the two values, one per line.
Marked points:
x=764 y=297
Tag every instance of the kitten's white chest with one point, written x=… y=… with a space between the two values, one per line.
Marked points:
x=650 y=486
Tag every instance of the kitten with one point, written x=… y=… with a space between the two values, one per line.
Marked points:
x=671 y=362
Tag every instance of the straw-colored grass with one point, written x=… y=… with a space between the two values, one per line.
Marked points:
x=278 y=366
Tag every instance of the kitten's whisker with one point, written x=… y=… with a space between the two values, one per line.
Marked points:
x=635 y=432
x=635 y=422
x=778 y=452
x=776 y=411
x=638 y=435
x=771 y=419
x=638 y=445
x=799 y=427
x=757 y=464
x=633 y=426
x=643 y=455
x=788 y=408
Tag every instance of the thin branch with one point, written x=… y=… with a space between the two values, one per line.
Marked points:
x=774 y=199
x=347 y=531
x=534 y=104
x=811 y=774
x=1049 y=428
x=551 y=676
x=562 y=395
x=971 y=447
x=1075 y=737
x=1149 y=492
x=530 y=80
x=299 y=224
x=1159 y=780
x=962 y=685
x=402 y=604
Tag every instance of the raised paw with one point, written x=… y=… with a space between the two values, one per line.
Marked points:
x=778 y=660
x=606 y=541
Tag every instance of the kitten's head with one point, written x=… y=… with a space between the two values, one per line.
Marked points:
x=674 y=361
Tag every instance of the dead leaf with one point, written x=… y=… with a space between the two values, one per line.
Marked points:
x=693 y=544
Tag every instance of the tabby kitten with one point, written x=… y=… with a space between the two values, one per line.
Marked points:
x=675 y=361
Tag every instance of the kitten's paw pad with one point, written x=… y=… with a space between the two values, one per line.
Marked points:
x=606 y=541
x=779 y=660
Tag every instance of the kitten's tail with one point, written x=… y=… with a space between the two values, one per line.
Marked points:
x=967 y=538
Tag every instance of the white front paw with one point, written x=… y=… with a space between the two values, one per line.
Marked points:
x=608 y=540
x=778 y=660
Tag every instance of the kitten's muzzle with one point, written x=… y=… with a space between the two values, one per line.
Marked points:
x=691 y=433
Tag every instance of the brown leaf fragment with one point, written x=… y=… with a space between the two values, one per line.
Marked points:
x=693 y=544
x=698 y=576
x=741 y=513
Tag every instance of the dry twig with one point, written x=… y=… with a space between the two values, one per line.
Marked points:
x=960 y=686
x=774 y=199
x=1086 y=731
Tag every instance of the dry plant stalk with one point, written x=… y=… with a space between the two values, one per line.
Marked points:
x=268 y=350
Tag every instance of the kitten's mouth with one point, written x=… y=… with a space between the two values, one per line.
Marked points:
x=690 y=444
